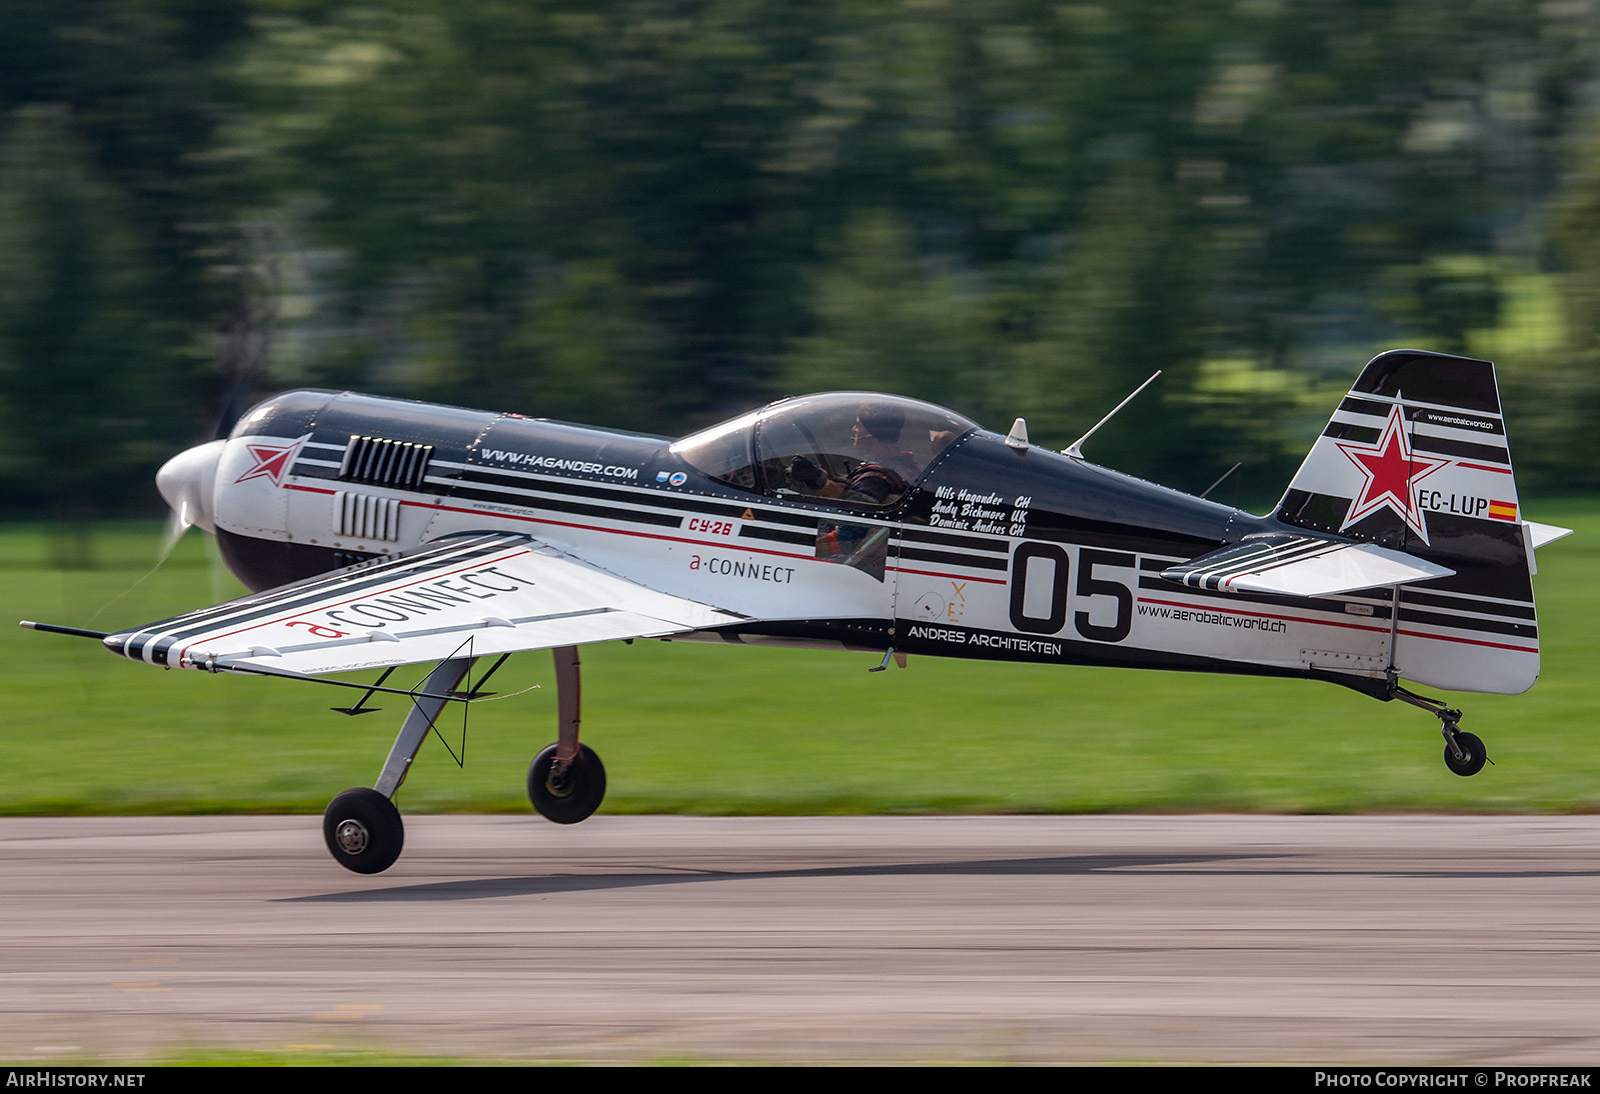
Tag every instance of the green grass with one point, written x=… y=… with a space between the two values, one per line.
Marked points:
x=690 y=728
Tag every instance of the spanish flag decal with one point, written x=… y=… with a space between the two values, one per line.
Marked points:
x=1502 y=510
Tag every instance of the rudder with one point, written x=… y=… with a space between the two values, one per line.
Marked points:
x=1415 y=458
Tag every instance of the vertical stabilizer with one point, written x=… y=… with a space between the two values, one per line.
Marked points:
x=1415 y=458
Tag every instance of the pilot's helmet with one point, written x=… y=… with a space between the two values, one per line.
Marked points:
x=883 y=420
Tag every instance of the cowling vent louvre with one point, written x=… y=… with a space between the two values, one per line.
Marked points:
x=379 y=461
x=364 y=517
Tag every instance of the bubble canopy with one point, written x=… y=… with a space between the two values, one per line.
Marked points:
x=860 y=448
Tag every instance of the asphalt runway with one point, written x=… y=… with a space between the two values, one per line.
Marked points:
x=1467 y=941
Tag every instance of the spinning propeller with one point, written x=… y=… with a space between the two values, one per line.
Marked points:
x=188 y=483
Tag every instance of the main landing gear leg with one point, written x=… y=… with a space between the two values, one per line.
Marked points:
x=362 y=827
x=566 y=781
x=1463 y=752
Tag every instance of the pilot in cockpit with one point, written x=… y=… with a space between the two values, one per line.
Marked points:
x=885 y=471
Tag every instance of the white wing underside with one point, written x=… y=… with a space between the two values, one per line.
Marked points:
x=473 y=596
x=1294 y=565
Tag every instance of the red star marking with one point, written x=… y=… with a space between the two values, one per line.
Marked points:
x=1389 y=470
x=272 y=461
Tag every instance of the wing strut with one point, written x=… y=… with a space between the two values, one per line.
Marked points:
x=475 y=691
x=426 y=706
x=284 y=674
x=361 y=707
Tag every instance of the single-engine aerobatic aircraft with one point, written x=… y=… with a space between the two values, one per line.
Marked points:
x=379 y=532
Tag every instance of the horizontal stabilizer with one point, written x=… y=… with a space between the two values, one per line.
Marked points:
x=1540 y=534
x=1291 y=565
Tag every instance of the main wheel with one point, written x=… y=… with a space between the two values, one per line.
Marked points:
x=363 y=831
x=1472 y=758
x=567 y=793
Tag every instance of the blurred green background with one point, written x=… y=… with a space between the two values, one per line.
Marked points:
x=655 y=215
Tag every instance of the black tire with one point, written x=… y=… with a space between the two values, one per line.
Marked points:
x=573 y=796
x=1473 y=756
x=363 y=831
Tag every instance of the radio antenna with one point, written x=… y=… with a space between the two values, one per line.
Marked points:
x=1075 y=448
x=1218 y=483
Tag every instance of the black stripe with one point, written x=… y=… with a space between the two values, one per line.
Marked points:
x=1423 y=443
x=1476 y=577
x=492 y=485
x=561 y=505
x=1365 y=406
x=951 y=559
x=1104 y=534
x=1466 y=604
x=1318 y=512
x=805 y=519
x=1438 y=378
x=591 y=490
x=302 y=470
x=536 y=489
x=945 y=539
x=1468 y=623
x=759 y=508
x=1345 y=431
x=777 y=535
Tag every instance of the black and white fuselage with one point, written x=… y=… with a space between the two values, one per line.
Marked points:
x=379 y=533
x=994 y=551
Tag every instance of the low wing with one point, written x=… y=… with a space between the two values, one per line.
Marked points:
x=1295 y=565
x=472 y=595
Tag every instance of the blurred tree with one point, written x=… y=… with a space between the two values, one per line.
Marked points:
x=475 y=166
x=885 y=322
x=120 y=243
x=75 y=344
x=656 y=213
x=1569 y=427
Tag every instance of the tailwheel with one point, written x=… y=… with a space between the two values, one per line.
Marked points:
x=1472 y=757
x=1463 y=752
x=566 y=791
x=363 y=831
